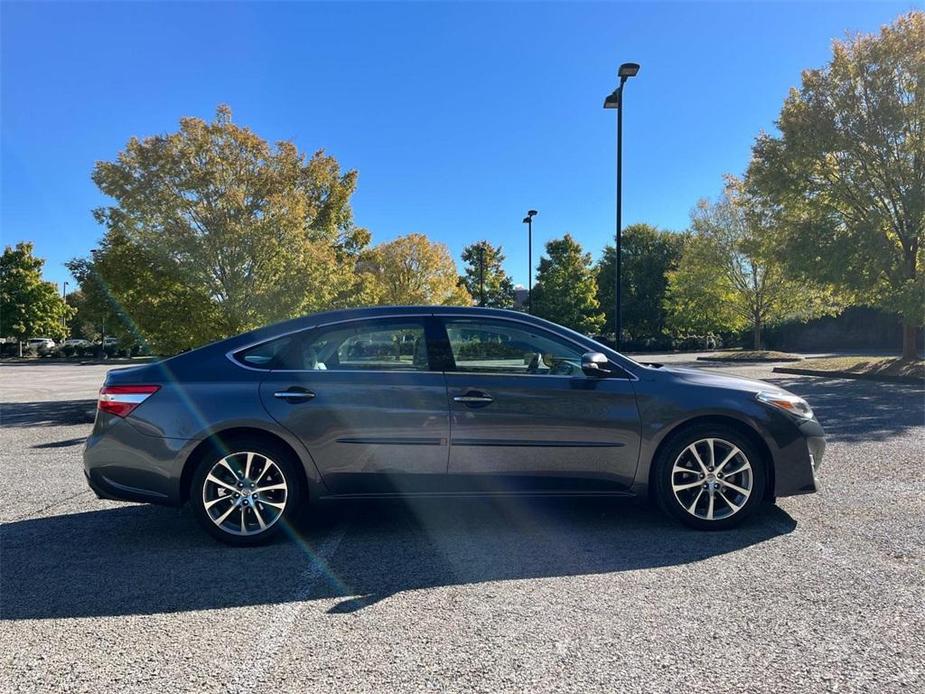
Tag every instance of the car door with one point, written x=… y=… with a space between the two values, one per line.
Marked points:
x=363 y=398
x=524 y=417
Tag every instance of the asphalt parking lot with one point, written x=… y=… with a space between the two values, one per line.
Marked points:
x=823 y=593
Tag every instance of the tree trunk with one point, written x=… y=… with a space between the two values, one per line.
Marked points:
x=756 y=334
x=909 y=335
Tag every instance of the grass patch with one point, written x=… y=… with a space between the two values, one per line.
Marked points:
x=752 y=355
x=871 y=367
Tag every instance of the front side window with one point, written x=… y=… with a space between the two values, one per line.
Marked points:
x=484 y=346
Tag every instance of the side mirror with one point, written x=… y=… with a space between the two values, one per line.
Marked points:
x=595 y=364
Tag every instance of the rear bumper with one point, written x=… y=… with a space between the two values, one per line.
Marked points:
x=122 y=464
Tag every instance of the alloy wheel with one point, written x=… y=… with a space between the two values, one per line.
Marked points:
x=712 y=479
x=245 y=493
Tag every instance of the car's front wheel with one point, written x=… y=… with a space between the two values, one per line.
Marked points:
x=710 y=478
x=245 y=493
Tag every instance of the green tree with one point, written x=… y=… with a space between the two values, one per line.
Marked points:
x=844 y=181
x=29 y=306
x=484 y=269
x=136 y=315
x=648 y=255
x=727 y=278
x=214 y=231
x=565 y=290
x=411 y=270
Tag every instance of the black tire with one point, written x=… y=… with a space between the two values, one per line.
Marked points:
x=282 y=469
x=678 y=504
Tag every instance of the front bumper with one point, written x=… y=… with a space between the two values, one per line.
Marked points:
x=797 y=462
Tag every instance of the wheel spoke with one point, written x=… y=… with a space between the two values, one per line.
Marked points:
x=265 y=470
x=693 y=449
x=735 y=487
x=712 y=452
x=731 y=505
x=688 y=485
x=694 y=504
x=224 y=463
x=732 y=454
x=221 y=518
x=243 y=529
x=247 y=466
x=215 y=480
x=742 y=468
x=210 y=504
x=260 y=520
x=281 y=485
x=710 y=507
x=273 y=504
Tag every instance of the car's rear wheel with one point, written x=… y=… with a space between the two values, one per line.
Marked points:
x=245 y=492
x=709 y=477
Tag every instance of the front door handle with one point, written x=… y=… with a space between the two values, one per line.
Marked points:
x=474 y=397
x=294 y=395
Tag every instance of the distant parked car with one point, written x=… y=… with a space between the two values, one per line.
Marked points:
x=40 y=343
x=76 y=342
x=110 y=340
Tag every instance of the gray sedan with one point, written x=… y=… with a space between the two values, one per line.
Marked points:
x=400 y=401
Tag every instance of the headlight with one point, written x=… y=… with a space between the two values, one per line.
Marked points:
x=790 y=403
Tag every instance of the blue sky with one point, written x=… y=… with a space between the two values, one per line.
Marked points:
x=458 y=117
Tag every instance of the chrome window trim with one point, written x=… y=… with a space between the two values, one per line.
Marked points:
x=630 y=376
x=230 y=353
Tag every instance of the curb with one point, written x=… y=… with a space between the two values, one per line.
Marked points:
x=750 y=361
x=116 y=360
x=80 y=361
x=848 y=374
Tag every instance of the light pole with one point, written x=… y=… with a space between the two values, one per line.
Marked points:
x=615 y=100
x=100 y=350
x=64 y=298
x=528 y=220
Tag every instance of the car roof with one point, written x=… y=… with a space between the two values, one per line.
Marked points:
x=346 y=314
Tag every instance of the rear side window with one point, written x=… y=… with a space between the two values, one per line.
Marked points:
x=267 y=355
x=371 y=345
x=380 y=345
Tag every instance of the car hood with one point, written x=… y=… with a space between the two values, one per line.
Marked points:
x=719 y=380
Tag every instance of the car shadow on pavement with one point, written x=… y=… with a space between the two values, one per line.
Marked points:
x=859 y=411
x=47 y=414
x=135 y=560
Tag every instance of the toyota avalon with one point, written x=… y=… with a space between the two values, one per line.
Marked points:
x=416 y=401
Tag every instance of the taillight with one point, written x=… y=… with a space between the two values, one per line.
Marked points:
x=121 y=400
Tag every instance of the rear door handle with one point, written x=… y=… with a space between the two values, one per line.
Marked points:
x=294 y=395
x=474 y=397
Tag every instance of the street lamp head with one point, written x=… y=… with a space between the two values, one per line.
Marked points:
x=526 y=220
x=628 y=70
x=612 y=100
x=532 y=213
